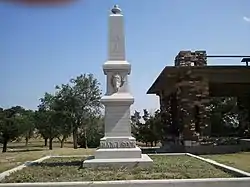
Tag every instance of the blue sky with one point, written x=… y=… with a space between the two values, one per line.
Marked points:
x=43 y=47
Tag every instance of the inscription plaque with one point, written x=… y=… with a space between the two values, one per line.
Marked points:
x=117 y=144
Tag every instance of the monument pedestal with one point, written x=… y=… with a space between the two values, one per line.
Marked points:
x=144 y=161
x=117 y=148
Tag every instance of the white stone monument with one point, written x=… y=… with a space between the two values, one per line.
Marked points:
x=117 y=147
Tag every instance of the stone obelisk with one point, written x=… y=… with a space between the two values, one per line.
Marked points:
x=117 y=147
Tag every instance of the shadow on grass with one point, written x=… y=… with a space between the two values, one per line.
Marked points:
x=90 y=157
x=25 y=150
x=58 y=164
x=25 y=147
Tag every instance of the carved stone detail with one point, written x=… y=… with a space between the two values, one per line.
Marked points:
x=115 y=44
x=117 y=81
x=117 y=144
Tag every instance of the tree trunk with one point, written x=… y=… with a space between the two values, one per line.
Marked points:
x=85 y=137
x=45 y=142
x=75 y=138
x=26 y=141
x=62 y=141
x=62 y=144
x=5 y=142
x=50 y=143
x=152 y=144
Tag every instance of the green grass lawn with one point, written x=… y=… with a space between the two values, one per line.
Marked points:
x=18 y=153
x=237 y=160
x=68 y=169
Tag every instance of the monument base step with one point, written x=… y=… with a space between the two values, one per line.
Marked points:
x=118 y=153
x=144 y=161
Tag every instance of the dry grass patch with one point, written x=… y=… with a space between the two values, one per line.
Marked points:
x=237 y=160
x=69 y=169
x=18 y=153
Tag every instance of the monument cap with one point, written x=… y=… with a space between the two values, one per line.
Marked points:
x=116 y=10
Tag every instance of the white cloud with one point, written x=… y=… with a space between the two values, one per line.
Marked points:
x=247 y=19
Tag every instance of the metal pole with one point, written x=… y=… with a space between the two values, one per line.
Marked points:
x=245 y=58
x=227 y=56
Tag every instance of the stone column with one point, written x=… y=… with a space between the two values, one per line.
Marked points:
x=203 y=101
x=186 y=109
x=243 y=103
x=193 y=96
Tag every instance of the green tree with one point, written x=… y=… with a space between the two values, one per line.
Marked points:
x=11 y=125
x=223 y=116
x=147 y=128
x=135 y=126
x=243 y=105
x=90 y=134
x=48 y=120
x=80 y=98
x=152 y=127
x=41 y=122
x=47 y=125
x=158 y=127
x=28 y=123
x=2 y=118
x=65 y=127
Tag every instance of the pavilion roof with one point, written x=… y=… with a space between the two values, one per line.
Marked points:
x=223 y=80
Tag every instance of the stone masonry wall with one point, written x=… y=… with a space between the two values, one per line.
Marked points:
x=192 y=96
x=189 y=58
